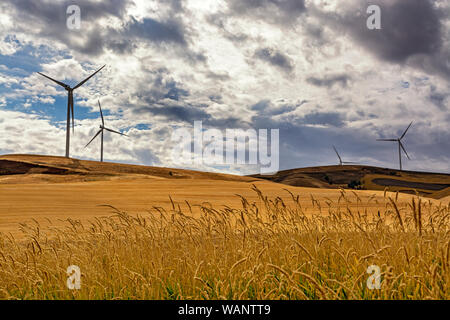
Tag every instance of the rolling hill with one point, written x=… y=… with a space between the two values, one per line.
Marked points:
x=433 y=185
x=19 y=168
x=50 y=190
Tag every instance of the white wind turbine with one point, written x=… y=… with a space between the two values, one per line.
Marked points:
x=400 y=145
x=102 y=128
x=341 y=163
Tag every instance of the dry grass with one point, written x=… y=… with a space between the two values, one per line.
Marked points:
x=263 y=250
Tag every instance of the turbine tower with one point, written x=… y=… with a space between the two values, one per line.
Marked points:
x=102 y=127
x=70 y=105
x=341 y=163
x=400 y=145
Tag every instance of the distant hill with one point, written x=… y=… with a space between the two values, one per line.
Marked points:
x=51 y=169
x=18 y=168
x=434 y=185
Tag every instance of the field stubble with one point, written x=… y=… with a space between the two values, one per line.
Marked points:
x=262 y=250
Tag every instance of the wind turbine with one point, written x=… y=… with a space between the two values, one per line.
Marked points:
x=70 y=104
x=102 y=127
x=400 y=145
x=341 y=163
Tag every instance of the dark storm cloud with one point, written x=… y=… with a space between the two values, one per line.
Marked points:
x=160 y=86
x=266 y=108
x=324 y=118
x=156 y=31
x=408 y=28
x=160 y=33
x=275 y=58
x=261 y=105
x=227 y=123
x=330 y=81
x=48 y=20
x=175 y=93
x=54 y=12
x=288 y=6
x=266 y=112
x=412 y=31
x=121 y=46
x=280 y=13
x=162 y=96
x=187 y=114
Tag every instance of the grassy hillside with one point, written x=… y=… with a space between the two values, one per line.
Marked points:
x=433 y=185
x=36 y=168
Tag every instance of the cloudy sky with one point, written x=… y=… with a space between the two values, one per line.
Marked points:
x=310 y=68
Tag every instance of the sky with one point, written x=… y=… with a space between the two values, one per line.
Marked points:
x=310 y=68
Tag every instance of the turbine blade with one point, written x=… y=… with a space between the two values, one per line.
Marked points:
x=337 y=154
x=111 y=130
x=83 y=82
x=387 y=140
x=99 y=131
x=404 y=150
x=56 y=81
x=406 y=131
x=101 y=113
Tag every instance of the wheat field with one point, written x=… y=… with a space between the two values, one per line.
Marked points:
x=265 y=249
